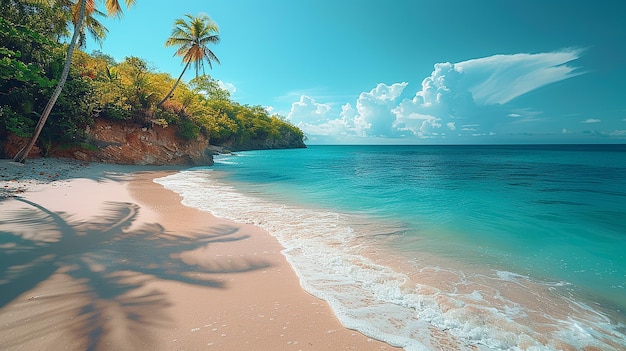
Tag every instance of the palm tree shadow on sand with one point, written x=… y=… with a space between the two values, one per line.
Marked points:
x=108 y=264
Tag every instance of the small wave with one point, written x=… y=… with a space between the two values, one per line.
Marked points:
x=225 y=159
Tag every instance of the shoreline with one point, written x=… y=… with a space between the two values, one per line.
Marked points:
x=139 y=270
x=424 y=298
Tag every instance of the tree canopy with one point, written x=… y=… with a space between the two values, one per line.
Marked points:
x=79 y=11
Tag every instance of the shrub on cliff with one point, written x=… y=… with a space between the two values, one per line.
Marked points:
x=188 y=130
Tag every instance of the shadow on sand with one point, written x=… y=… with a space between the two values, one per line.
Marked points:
x=108 y=266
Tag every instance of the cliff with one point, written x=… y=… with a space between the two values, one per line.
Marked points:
x=128 y=143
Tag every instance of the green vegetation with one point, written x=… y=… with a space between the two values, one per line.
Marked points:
x=32 y=55
x=79 y=12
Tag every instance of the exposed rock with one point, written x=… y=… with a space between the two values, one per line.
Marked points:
x=126 y=143
x=14 y=144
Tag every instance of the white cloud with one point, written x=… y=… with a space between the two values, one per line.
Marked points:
x=334 y=127
x=591 y=120
x=474 y=90
x=227 y=86
x=315 y=119
x=468 y=97
x=374 y=116
x=308 y=111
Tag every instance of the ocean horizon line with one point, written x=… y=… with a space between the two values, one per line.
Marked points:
x=494 y=144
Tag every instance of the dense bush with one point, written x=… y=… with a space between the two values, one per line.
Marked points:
x=188 y=130
x=15 y=123
x=72 y=112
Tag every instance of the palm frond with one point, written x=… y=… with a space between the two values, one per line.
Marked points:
x=191 y=36
x=96 y=29
x=113 y=7
x=201 y=31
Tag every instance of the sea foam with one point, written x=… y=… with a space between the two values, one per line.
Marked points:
x=464 y=311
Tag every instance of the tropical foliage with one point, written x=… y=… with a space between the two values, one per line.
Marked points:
x=192 y=38
x=81 y=13
x=32 y=53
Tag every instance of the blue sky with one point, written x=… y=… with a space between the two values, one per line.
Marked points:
x=409 y=72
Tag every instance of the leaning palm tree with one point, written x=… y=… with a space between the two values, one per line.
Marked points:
x=192 y=39
x=80 y=10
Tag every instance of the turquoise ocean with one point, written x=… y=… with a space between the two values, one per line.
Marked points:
x=515 y=247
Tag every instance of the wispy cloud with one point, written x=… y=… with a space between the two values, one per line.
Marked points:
x=591 y=120
x=319 y=93
x=501 y=78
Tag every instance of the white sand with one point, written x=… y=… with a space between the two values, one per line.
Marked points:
x=99 y=257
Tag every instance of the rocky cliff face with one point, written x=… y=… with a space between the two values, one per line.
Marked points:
x=127 y=143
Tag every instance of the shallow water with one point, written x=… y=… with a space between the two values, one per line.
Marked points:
x=493 y=247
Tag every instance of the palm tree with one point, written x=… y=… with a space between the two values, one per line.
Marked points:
x=192 y=39
x=80 y=11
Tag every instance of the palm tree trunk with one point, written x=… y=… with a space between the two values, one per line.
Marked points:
x=23 y=153
x=175 y=85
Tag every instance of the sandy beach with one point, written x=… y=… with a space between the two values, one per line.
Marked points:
x=99 y=257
